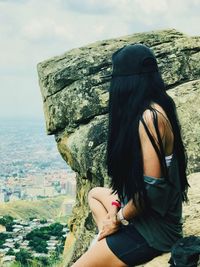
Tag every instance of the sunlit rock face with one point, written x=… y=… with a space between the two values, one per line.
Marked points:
x=75 y=99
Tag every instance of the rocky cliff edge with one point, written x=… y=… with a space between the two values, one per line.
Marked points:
x=75 y=99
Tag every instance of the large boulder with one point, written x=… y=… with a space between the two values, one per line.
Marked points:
x=75 y=101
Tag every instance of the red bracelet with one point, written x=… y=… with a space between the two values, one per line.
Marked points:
x=117 y=204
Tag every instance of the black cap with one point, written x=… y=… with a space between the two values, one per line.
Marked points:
x=133 y=59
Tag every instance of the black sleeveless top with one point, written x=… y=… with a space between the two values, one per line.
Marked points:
x=162 y=226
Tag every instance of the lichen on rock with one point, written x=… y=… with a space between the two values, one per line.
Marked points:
x=75 y=99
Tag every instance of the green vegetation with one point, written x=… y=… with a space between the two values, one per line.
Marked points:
x=40 y=240
x=23 y=257
x=38 y=244
x=17 y=245
x=43 y=221
x=38 y=237
x=7 y=221
x=45 y=232
x=3 y=237
x=39 y=262
x=25 y=210
x=10 y=252
x=56 y=229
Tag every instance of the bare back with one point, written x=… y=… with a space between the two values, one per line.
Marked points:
x=151 y=164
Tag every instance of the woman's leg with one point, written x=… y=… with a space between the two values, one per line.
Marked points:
x=100 y=199
x=99 y=256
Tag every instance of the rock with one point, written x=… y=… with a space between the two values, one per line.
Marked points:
x=187 y=99
x=74 y=92
x=75 y=101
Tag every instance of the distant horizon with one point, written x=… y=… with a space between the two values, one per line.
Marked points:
x=23 y=121
x=21 y=118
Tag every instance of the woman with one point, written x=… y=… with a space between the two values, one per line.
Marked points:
x=140 y=217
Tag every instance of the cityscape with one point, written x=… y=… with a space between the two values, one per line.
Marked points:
x=22 y=241
x=30 y=164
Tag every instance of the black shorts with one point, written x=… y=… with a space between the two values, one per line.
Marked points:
x=130 y=246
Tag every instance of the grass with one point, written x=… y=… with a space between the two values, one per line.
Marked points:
x=33 y=263
x=49 y=208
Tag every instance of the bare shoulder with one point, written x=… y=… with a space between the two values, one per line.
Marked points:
x=149 y=121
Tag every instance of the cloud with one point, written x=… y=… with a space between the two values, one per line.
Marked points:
x=19 y=96
x=13 y=1
x=45 y=29
x=97 y=7
x=152 y=7
x=34 y=30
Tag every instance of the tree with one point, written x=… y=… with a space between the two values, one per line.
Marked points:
x=38 y=244
x=7 y=221
x=17 y=245
x=40 y=249
x=23 y=256
x=10 y=252
x=43 y=221
x=56 y=229
x=44 y=261
x=3 y=237
x=59 y=249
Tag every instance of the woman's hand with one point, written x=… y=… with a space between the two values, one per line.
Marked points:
x=110 y=226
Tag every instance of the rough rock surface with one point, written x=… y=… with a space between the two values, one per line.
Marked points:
x=76 y=111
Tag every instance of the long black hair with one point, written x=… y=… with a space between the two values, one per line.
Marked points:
x=129 y=97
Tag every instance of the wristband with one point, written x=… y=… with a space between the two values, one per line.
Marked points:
x=120 y=217
x=116 y=203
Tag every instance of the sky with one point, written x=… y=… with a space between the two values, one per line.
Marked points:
x=34 y=30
